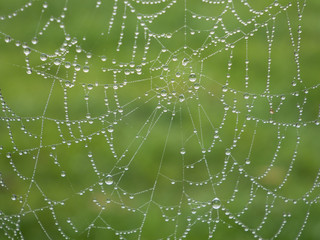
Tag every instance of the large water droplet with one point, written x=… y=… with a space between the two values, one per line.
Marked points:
x=228 y=152
x=216 y=204
x=192 y=77
x=185 y=62
x=103 y=58
x=43 y=57
x=57 y=61
x=13 y=197
x=182 y=151
x=110 y=129
x=34 y=40
x=7 y=39
x=27 y=51
x=181 y=98
x=109 y=180
x=163 y=93
x=86 y=69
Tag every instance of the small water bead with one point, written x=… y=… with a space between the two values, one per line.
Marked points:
x=139 y=68
x=103 y=58
x=174 y=58
x=181 y=98
x=57 y=61
x=86 y=69
x=43 y=57
x=14 y=197
x=127 y=72
x=216 y=204
x=8 y=155
x=110 y=129
x=109 y=180
x=196 y=86
x=224 y=89
x=27 y=51
x=163 y=93
x=45 y=5
x=34 y=40
x=182 y=151
x=192 y=77
x=90 y=86
x=67 y=64
x=247 y=161
x=63 y=174
x=185 y=62
x=228 y=152
x=77 y=67
x=7 y=39
x=246 y=96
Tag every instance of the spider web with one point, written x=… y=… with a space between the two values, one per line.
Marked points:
x=160 y=119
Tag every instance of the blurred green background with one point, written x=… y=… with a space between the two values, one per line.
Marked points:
x=63 y=131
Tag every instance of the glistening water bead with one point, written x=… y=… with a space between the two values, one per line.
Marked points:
x=43 y=57
x=182 y=151
x=27 y=51
x=216 y=204
x=192 y=77
x=109 y=180
x=185 y=62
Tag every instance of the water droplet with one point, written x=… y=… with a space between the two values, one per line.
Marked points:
x=216 y=204
x=192 y=77
x=86 y=69
x=181 y=98
x=163 y=93
x=90 y=86
x=246 y=96
x=67 y=64
x=27 y=51
x=228 y=152
x=57 y=61
x=13 y=197
x=185 y=62
x=196 y=86
x=110 y=129
x=127 y=72
x=224 y=89
x=43 y=57
x=182 y=151
x=174 y=58
x=7 y=39
x=77 y=67
x=34 y=40
x=103 y=58
x=139 y=68
x=8 y=155
x=63 y=174
x=109 y=180
x=45 y=5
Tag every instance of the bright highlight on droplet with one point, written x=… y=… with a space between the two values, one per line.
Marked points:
x=109 y=180
x=216 y=204
x=192 y=77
